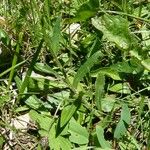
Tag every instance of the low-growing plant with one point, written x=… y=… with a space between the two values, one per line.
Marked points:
x=80 y=69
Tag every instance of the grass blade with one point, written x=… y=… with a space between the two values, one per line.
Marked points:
x=15 y=59
x=13 y=67
x=99 y=87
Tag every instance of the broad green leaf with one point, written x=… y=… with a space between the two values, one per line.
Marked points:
x=99 y=89
x=79 y=134
x=33 y=102
x=108 y=72
x=123 y=67
x=108 y=103
x=146 y=64
x=115 y=29
x=58 y=142
x=65 y=143
x=42 y=83
x=68 y=112
x=44 y=68
x=86 y=10
x=125 y=114
x=145 y=36
x=44 y=121
x=136 y=64
x=100 y=135
x=85 y=68
x=43 y=133
x=34 y=115
x=120 y=88
x=120 y=130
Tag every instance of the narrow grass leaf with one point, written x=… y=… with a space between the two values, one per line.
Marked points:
x=13 y=67
x=100 y=135
x=120 y=130
x=15 y=59
x=124 y=120
x=56 y=36
x=85 y=68
x=18 y=82
x=125 y=114
x=99 y=89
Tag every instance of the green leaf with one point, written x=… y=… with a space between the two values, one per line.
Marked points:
x=115 y=29
x=120 y=88
x=79 y=134
x=34 y=115
x=44 y=68
x=33 y=102
x=44 y=121
x=85 y=68
x=146 y=64
x=4 y=99
x=125 y=118
x=38 y=84
x=123 y=67
x=108 y=103
x=22 y=108
x=4 y=37
x=125 y=114
x=56 y=36
x=18 y=81
x=58 y=142
x=68 y=112
x=108 y=72
x=99 y=89
x=120 y=130
x=100 y=135
x=2 y=141
x=86 y=10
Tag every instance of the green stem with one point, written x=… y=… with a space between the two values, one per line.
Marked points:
x=15 y=59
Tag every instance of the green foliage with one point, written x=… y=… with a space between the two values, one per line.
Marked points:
x=115 y=29
x=80 y=69
x=85 y=68
x=79 y=134
x=124 y=120
x=99 y=90
x=100 y=135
